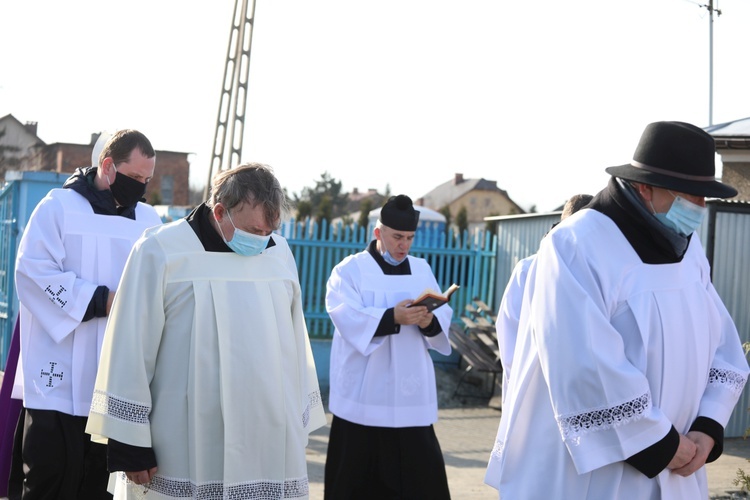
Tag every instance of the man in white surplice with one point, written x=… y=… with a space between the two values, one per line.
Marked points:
x=627 y=364
x=383 y=395
x=207 y=386
x=509 y=313
x=70 y=260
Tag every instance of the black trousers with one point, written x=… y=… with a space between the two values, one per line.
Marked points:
x=15 y=478
x=382 y=463
x=59 y=460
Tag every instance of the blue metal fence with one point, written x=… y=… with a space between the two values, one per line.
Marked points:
x=18 y=198
x=468 y=261
x=8 y=244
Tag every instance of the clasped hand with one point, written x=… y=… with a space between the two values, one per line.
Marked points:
x=417 y=315
x=141 y=477
x=691 y=454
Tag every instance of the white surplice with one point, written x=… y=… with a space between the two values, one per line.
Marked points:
x=384 y=381
x=207 y=360
x=612 y=353
x=509 y=316
x=65 y=253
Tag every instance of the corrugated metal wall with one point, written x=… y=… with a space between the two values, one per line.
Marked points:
x=518 y=236
x=725 y=235
x=727 y=242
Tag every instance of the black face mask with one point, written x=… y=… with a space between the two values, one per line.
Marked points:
x=126 y=190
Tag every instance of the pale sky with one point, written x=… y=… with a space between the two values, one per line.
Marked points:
x=540 y=96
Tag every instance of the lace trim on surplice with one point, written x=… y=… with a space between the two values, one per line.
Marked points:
x=314 y=400
x=497 y=450
x=572 y=426
x=251 y=490
x=121 y=409
x=728 y=378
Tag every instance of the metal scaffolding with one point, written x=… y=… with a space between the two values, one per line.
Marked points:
x=227 y=153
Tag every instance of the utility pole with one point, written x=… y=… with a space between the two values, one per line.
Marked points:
x=711 y=10
x=225 y=155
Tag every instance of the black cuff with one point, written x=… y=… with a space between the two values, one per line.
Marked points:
x=714 y=429
x=387 y=324
x=129 y=458
x=656 y=457
x=98 y=305
x=432 y=329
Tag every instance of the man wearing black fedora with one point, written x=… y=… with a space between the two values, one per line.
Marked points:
x=627 y=364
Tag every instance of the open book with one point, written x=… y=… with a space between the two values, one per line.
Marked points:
x=432 y=299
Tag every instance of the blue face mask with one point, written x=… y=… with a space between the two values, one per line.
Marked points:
x=683 y=216
x=244 y=243
x=389 y=258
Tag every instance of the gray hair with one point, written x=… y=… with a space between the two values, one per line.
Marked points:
x=574 y=204
x=252 y=183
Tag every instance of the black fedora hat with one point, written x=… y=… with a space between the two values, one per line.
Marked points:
x=677 y=156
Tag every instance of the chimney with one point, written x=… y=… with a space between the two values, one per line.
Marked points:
x=355 y=191
x=458 y=179
x=31 y=127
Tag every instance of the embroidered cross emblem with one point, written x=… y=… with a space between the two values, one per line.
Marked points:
x=51 y=374
x=55 y=296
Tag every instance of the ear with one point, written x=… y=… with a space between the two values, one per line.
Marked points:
x=219 y=212
x=107 y=165
x=646 y=191
x=376 y=232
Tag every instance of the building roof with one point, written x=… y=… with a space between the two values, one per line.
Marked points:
x=425 y=214
x=731 y=135
x=28 y=128
x=448 y=192
x=736 y=128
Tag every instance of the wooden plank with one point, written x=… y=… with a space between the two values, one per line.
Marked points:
x=468 y=323
x=483 y=322
x=490 y=343
x=473 y=352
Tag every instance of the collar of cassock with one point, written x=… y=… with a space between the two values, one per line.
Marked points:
x=651 y=240
x=387 y=268
x=200 y=222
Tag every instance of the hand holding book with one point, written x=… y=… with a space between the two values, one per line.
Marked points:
x=432 y=299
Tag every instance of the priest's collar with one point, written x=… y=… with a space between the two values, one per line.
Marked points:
x=200 y=221
x=387 y=268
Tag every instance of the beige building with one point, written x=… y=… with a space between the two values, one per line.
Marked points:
x=481 y=197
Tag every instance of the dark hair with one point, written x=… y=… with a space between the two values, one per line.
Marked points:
x=123 y=143
x=252 y=183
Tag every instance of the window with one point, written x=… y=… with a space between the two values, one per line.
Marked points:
x=167 y=189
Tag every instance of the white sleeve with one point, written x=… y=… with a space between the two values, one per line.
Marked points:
x=353 y=320
x=57 y=298
x=122 y=397
x=602 y=403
